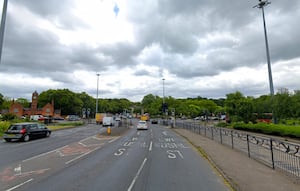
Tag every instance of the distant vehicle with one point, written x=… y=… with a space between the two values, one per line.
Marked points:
x=263 y=117
x=26 y=131
x=118 y=119
x=108 y=121
x=142 y=125
x=58 y=118
x=73 y=118
x=154 y=121
x=36 y=117
x=99 y=118
x=145 y=117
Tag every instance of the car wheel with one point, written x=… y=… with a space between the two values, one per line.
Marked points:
x=26 y=138
x=47 y=134
x=7 y=140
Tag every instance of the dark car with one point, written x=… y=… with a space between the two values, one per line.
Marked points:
x=26 y=131
x=154 y=121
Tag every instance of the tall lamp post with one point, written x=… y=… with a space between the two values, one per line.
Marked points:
x=261 y=4
x=163 y=91
x=97 y=92
x=2 y=27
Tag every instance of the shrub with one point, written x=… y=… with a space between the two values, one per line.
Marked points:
x=3 y=126
x=9 y=116
x=272 y=129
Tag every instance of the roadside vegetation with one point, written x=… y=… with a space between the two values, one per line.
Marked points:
x=53 y=126
x=283 y=130
x=242 y=112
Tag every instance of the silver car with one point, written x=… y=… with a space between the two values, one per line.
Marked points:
x=142 y=125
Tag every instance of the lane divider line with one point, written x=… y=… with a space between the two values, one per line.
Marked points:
x=150 y=147
x=19 y=185
x=137 y=175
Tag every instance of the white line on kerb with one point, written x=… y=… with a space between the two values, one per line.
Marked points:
x=150 y=147
x=17 y=186
x=137 y=175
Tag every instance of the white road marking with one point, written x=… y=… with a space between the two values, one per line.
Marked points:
x=43 y=154
x=17 y=186
x=18 y=169
x=137 y=175
x=120 y=152
x=78 y=157
x=113 y=140
x=150 y=147
x=165 y=133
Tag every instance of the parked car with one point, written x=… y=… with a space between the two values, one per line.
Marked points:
x=26 y=131
x=36 y=117
x=73 y=118
x=142 y=125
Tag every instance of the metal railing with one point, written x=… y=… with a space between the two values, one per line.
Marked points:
x=277 y=154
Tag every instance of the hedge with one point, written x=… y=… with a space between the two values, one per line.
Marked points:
x=271 y=129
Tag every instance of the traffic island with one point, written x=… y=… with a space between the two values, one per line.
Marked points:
x=115 y=131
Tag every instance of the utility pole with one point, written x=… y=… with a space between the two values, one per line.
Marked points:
x=261 y=5
x=2 y=26
x=97 y=92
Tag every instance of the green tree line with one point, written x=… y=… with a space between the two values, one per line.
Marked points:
x=236 y=105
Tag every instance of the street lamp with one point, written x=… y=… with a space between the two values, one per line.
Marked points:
x=163 y=90
x=2 y=27
x=97 y=92
x=261 y=5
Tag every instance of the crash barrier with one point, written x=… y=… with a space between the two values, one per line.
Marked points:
x=277 y=154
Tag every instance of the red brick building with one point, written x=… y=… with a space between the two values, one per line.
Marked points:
x=47 y=110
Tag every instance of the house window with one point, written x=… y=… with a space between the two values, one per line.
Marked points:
x=48 y=110
x=16 y=110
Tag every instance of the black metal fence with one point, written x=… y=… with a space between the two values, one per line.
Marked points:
x=277 y=154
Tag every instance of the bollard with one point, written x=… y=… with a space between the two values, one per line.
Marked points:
x=108 y=130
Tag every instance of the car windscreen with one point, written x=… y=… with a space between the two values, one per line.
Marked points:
x=16 y=127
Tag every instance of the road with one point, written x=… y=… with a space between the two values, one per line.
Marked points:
x=82 y=159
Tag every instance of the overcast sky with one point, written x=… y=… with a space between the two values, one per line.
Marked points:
x=206 y=48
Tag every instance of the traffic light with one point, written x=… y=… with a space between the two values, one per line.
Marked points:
x=164 y=107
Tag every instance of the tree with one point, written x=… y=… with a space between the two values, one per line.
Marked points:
x=238 y=107
x=65 y=100
x=24 y=102
x=1 y=101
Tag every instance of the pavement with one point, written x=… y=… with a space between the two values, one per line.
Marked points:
x=241 y=172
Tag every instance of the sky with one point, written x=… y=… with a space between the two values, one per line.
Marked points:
x=206 y=48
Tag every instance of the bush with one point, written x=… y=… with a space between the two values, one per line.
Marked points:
x=271 y=129
x=9 y=116
x=223 y=124
x=3 y=126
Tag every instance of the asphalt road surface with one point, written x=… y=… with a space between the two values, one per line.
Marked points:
x=82 y=159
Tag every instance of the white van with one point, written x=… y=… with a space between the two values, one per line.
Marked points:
x=36 y=117
x=108 y=121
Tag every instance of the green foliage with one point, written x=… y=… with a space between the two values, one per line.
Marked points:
x=1 y=100
x=4 y=126
x=64 y=99
x=272 y=129
x=238 y=107
x=223 y=124
x=9 y=117
x=24 y=102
